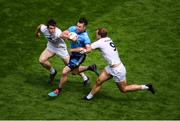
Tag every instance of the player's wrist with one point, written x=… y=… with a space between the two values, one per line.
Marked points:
x=37 y=34
x=72 y=35
x=83 y=51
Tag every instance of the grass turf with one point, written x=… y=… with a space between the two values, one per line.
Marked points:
x=146 y=34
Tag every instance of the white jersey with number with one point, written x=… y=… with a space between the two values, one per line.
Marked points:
x=108 y=50
x=53 y=39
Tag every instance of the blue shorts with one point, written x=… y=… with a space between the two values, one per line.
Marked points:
x=76 y=60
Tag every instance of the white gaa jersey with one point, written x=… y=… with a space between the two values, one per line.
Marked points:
x=53 y=39
x=108 y=50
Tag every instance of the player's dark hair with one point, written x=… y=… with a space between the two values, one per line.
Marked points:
x=83 y=20
x=102 y=32
x=51 y=22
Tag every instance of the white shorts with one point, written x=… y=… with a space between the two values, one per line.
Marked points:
x=118 y=73
x=60 y=52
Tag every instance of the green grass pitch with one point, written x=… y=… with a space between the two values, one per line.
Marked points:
x=146 y=33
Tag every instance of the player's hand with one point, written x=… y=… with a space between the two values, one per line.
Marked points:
x=37 y=35
x=83 y=51
x=73 y=36
x=65 y=35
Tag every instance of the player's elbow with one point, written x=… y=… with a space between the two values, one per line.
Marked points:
x=98 y=81
x=88 y=49
x=42 y=60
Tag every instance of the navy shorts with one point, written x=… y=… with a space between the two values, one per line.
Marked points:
x=76 y=60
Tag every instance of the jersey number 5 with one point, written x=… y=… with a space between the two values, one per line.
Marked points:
x=112 y=45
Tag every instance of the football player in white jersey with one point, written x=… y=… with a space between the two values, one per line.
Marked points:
x=115 y=67
x=55 y=46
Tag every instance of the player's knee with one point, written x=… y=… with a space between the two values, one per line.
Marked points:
x=42 y=61
x=64 y=73
x=98 y=81
x=74 y=73
x=123 y=89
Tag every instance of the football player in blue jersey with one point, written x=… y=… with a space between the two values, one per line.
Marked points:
x=80 y=45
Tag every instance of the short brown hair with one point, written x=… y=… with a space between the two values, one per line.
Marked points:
x=102 y=32
x=83 y=20
x=51 y=22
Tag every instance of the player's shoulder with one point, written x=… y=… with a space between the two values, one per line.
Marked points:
x=72 y=28
x=105 y=39
x=58 y=30
x=102 y=41
x=43 y=27
x=85 y=35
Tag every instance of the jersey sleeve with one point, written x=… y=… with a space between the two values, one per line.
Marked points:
x=87 y=40
x=95 y=45
x=43 y=28
x=72 y=29
x=58 y=33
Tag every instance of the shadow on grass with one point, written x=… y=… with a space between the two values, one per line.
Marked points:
x=76 y=88
x=38 y=80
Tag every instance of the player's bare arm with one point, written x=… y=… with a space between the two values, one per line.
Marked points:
x=74 y=39
x=76 y=50
x=82 y=50
x=65 y=35
x=88 y=48
x=38 y=33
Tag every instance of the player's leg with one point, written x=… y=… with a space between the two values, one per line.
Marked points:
x=43 y=60
x=81 y=69
x=119 y=75
x=83 y=76
x=85 y=79
x=64 y=75
x=63 y=79
x=66 y=60
x=124 y=87
x=80 y=60
x=86 y=68
x=104 y=76
x=65 y=57
x=63 y=54
x=77 y=60
x=71 y=65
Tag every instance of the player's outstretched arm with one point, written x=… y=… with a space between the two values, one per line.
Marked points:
x=81 y=50
x=37 y=32
x=88 y=48
x=65 y=35
x=76 y=50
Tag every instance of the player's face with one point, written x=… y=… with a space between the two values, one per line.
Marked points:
x=80 y=27
x=97 y=35
x=51 y=29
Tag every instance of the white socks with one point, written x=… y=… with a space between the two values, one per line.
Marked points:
x=52 y=70
x=89 y=96
x=144 y=87
x=84 y=77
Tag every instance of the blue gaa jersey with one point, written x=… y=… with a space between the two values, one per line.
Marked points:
x=82 y=40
